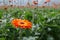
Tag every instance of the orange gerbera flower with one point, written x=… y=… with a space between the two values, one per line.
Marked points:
x=15 y=22
x=47 y=0
x=35 y=2
x=25 y=24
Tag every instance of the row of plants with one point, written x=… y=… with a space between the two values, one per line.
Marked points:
x=17 y=23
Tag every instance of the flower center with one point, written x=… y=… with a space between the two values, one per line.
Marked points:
x=21 y=23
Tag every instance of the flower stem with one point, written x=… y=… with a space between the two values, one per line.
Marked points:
x=20 y=34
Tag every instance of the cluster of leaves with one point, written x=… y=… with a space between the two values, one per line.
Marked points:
x=45 y=23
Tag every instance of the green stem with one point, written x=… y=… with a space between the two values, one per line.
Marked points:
x=20 y=34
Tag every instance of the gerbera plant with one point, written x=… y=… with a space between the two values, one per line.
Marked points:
x=21 y=24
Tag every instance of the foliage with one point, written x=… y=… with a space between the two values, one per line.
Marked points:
x=46 y=23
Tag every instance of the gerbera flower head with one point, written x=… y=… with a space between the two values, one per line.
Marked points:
x=34 y=2
x=24 y=24
x=47 y=0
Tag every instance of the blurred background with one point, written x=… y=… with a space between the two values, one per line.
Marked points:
x=43 y=14
x=25 y=2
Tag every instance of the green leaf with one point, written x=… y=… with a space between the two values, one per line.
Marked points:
x=2 y=38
